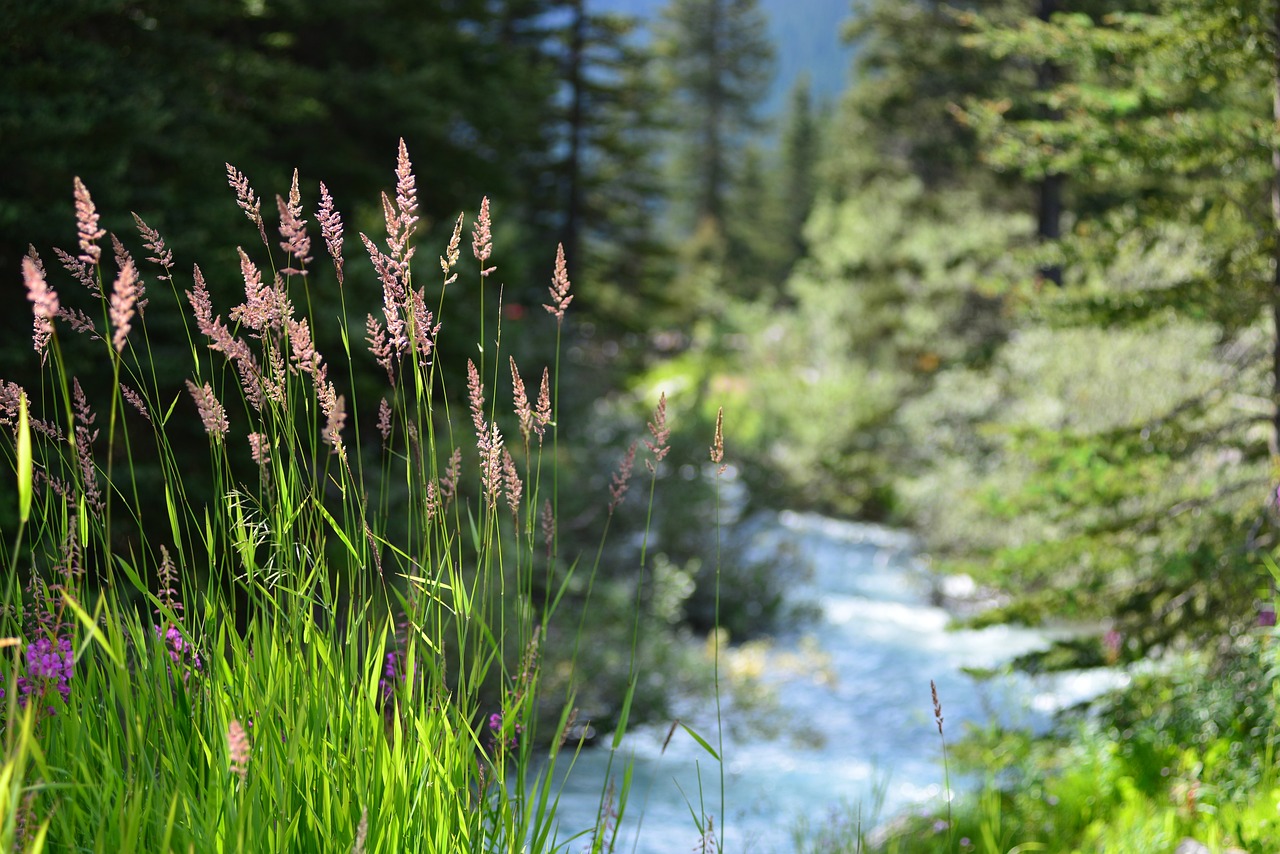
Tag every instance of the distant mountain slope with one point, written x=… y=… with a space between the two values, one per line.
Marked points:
x=806 y=34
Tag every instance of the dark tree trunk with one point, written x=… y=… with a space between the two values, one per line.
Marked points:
x=572 y=236
x=1049 y=220
x=712 y=204
x=1275 y=238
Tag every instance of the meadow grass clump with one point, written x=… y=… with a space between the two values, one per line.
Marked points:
x=315 y=629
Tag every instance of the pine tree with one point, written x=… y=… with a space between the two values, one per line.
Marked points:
x=719 y=61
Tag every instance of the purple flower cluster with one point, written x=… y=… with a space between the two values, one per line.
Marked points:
x=390 y=675
x=181 y=650
x=50 y=664
x=495 y=732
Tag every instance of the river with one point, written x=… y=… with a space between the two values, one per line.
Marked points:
x=853 y=683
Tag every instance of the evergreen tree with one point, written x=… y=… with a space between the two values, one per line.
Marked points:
x=612 y=183
x=718 y=61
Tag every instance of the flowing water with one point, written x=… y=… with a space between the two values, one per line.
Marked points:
x=852 y=689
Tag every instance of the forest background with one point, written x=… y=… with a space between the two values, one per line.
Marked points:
x=1014 y=288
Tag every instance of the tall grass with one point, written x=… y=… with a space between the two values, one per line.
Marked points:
x=336 y=646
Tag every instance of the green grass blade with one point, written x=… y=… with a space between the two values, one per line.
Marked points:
x=25 y=465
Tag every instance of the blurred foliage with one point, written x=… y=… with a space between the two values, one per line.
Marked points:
x=1184 y=751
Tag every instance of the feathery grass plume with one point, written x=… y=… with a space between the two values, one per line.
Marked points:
x=248 y=200
x=135 y=400
x=375 y=335
x=475 y=394
x=87 y=224
x=393 y=299
x=707 y=843
x=432 y=504
x=70 y=566
x=331 y=229
x=79 y=322
x=260 y=448
x=528 y=666
x=400 y=225
x=560 y=296
x=44 y=304
x=423 y=332
x=84 y=446
x=167 y=575
x=542 y=415
x=482 y=238
x=384 y=421
x=152 y=240
x=302 y=348
x=125 y=259
x=222 y=341
x=621 y=477
x=238 y=749
x=82 y=270
x=547 y=519
x=265 y=307
x=491 y=449
x=451 y=477
x=334 y=407
x=293 y=228
x=362 y=832
x=524 y=410
x=11 y=395
x=946 y=770
x=211 y=411
x=717 y=445
x=661 y=434
x=10 y=402
x=124 y=299
x=450 y=258
x=514 y=486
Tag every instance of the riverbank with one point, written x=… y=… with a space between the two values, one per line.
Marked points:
x=831 y=719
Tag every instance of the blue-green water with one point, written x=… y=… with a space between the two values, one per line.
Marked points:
x=852 y=688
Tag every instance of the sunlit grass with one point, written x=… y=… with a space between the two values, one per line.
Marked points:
x=322 y=635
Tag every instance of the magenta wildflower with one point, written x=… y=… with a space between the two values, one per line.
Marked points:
x=50 y=664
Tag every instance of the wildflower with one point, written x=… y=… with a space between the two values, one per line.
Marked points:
x=496 y=740
x=390 y=675
x=49 y=665
x=181 y=651
x=1113 y=644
